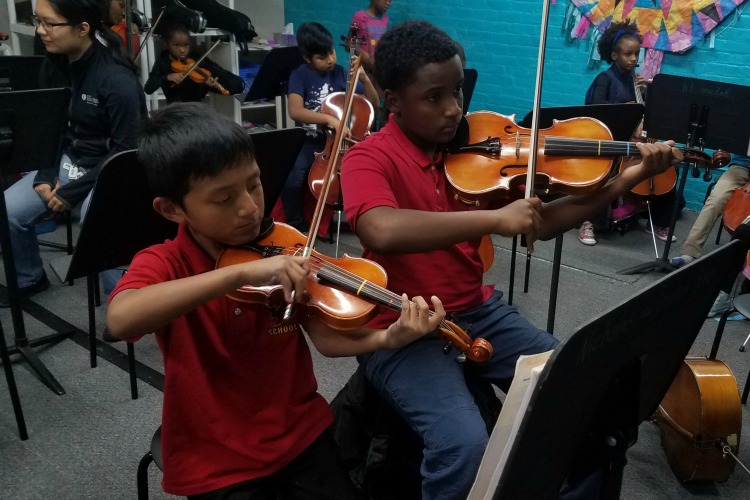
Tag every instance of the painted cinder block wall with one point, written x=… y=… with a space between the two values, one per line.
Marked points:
x=501 y=40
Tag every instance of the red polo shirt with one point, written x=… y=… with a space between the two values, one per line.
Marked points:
x=387 y=169
x=240 y=395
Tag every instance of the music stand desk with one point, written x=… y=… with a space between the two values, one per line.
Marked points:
x=608 y=377
x=29 y=142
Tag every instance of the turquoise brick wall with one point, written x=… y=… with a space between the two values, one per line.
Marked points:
x=501 y=39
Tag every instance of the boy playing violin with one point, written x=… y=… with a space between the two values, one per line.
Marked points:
x=168 y=71
x=241 y=410
x=398 y=202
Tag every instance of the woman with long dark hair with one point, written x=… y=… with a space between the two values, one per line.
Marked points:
x=105 y=113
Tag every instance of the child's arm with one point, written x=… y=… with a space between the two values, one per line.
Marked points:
x=134 y=312
x=389 y=230
x=371 y=94
x=298 y=112
x=414 y=322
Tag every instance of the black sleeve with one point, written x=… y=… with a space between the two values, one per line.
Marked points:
x=157 y=77
x=123 y=105
x=601 y=90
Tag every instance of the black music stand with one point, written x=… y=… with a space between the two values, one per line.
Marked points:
x=621 y=120
x=681 y=109
x=470 y=82
x=20 y=72
x=606 y=379
x=273 y=76
x=29 y=142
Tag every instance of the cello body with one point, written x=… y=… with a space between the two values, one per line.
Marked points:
x=700 y=410
x=737 y=208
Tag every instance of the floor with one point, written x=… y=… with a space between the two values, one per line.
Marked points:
x=87 y=442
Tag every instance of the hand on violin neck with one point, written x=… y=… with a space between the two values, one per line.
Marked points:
x=414 y=322
x=655 y=159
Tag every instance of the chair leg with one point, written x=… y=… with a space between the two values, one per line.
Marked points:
x=131 y=370
x=719 y=332
x=742 y=347
x=718 y=232
x=142 y=476
x=746 y=390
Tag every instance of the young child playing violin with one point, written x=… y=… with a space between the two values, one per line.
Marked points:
x=398 y=201
x=620 y=45
x=168 y=71
x=309 y=85
x=261 y=428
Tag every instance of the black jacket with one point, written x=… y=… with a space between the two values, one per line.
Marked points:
x=105 y=113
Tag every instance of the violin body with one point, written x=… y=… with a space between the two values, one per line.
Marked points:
x=362 y=116
x=195 y=73
x=657 y=185
x=494 y=162
x=737 y=208
x=333 y=305
x=700 y=410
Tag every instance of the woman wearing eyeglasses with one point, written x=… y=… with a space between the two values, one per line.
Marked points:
x=105 y=112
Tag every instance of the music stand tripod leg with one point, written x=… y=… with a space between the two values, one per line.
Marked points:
x=12 y=388
x=22 y=345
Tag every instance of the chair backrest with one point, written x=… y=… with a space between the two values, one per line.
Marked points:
x=120 y=220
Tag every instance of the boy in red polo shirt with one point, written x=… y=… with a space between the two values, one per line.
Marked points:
x=241 y=414
x=398 y=202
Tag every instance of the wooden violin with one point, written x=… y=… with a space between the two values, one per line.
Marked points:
x=190 y=68
x=358 y=120
x=341 y=292
x=575 y=157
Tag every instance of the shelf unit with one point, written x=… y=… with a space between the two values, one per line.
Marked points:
x=227 y=56
x=21 y=35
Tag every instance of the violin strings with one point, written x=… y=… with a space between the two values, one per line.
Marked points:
x=356 y=283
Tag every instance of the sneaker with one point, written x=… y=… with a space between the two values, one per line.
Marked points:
x=586 y=235
x=661 y=233
x=682 y=260
x=721 y=304
x=25 y=292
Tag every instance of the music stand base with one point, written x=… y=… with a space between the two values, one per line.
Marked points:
x=660 y=265
x=36 y=365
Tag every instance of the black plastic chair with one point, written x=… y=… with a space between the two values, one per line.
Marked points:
x=153 y=455
x=120 y=222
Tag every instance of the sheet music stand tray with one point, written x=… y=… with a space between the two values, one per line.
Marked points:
x=621 y=120
x=606 y=379
x=681 y=109
x=28 y=144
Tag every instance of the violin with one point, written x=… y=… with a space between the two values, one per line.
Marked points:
x=188 y=68
x=575 y=156
x=359 y=121
x=341 y=292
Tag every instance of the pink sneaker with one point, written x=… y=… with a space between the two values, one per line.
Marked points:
x=586 y=235
x=661 y=233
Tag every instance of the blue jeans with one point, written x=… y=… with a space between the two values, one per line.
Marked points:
x=292 y=195
x=427 y=388
x=25 y=210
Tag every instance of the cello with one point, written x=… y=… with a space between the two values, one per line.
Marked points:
x=359 y=121
x=700 y=419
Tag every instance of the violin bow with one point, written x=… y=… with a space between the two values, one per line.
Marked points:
x=534 y=136
x=150 y=32
x=200 y=60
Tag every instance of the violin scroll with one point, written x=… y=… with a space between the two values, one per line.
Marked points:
x=477 y=350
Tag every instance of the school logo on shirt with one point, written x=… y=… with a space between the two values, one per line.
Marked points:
x=89 y=99
x=284 y=328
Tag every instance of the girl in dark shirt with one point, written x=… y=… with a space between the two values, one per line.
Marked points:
x=178 y=88
x=104 y=118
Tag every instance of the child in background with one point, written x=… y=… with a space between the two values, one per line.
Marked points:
x=116 y=21
x=180 y=88
x=309 y=85
x=620 y=45
x=371 y=24
x=242 y=417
